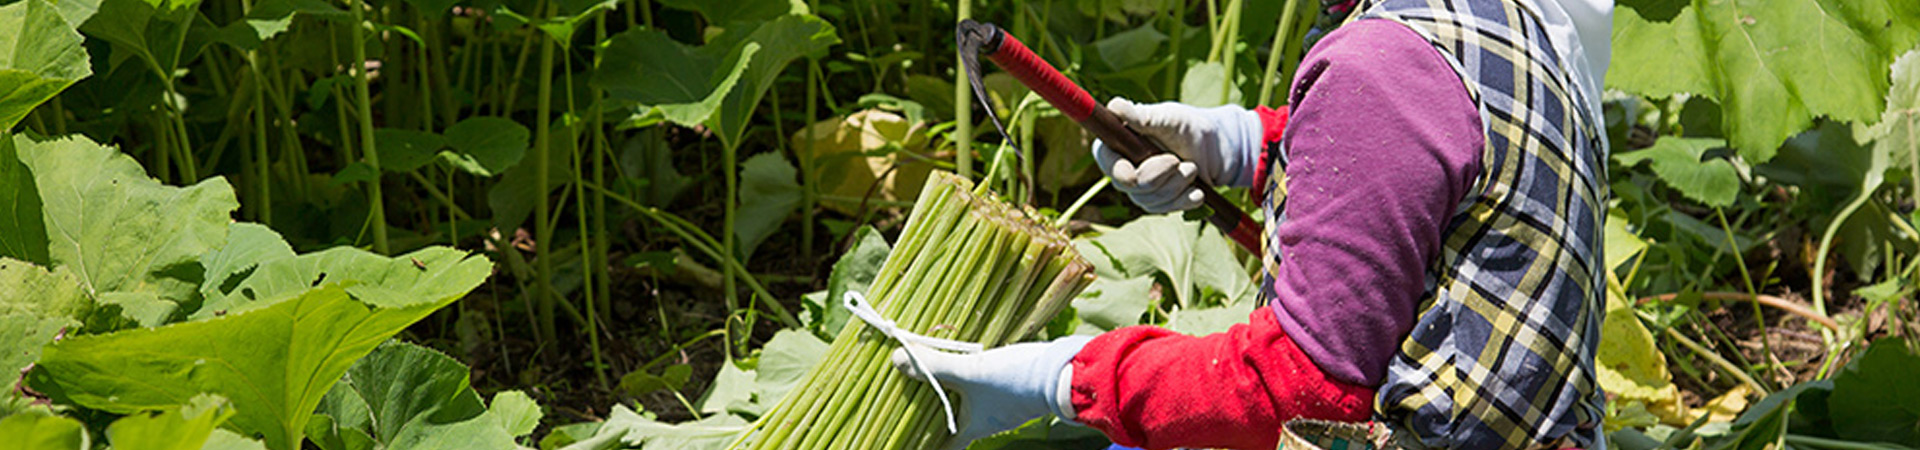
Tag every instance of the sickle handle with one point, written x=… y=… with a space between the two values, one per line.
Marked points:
x=1013 y=56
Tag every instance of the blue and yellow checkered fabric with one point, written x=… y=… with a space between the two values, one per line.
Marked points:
x=1502 y=354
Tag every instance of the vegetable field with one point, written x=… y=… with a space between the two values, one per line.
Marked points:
x=379 y=224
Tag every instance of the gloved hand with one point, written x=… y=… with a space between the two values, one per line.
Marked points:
x=1220 y=145
x=1002 y=388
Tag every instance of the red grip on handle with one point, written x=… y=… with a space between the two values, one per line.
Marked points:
x=1037 y=74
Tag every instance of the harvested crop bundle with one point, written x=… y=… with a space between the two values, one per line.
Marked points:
x=967 y=268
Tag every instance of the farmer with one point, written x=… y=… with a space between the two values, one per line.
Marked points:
x=1433 y=274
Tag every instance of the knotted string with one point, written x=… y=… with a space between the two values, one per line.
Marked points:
x=857 y=304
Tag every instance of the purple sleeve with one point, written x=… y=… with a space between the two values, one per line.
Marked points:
x=1382 y=145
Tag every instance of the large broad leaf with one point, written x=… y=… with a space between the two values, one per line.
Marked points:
x=21 y=337
x=1111 y=303
x=852 y=273
x=487 y=146
x=786 y=358
x=1875 y=398
x=1208 y=84
x=1196 y=260
x=780 y=41
x=23 y=232
x=248 y=245
x=782 y=363
x=1897 y=137
x=768 y=194
x=635 y=431
x=186 y=427
x=669 y=80
x=130 y=239
x=406 y=150
x=269 y=18
x=274 y=363
x=727 y=13
x=150 y=31
x=408 y=396
x=30 y=289
x=1712 y=182
x=40 y=55
x=429 y=273
x=38 y=429
x=1774 y=65
x=34 y=305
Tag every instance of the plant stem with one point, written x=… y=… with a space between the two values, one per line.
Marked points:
x=705 y=244
x=364 y=106
x=1820 y=271
x=1282 y=33
x=1067 y=215
x=1759 y=318
x=1716 y=359
x=963 y=105
x=543 y=212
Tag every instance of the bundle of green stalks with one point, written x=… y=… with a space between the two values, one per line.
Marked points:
x=967 y=267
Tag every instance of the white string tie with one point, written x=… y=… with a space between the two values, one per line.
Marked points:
x=857 y=304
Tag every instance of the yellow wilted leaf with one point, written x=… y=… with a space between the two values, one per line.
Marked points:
x=1726 y=407
x=849 y=154
x=1632 y=369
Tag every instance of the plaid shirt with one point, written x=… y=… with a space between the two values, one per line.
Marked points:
x=1503 y=350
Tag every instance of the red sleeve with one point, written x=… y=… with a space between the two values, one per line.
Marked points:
x=1273 y=125
x=1152 y=388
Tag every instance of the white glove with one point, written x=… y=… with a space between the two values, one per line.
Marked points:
x=1002 y=388
x=1219 y=145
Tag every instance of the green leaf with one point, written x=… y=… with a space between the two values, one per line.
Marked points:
x=269 y=18
x=1622 y=244
x=714 y=432
x=406 y=150
x=1875 y=399
x=779 y=41
x=183 y=428
x=1195 y=259
x=854 y=272
x=274 y=363
x=221 y=439
x=1773 y=65
x=516 y=412
x=40 y=55
x=639 y=382
x=426 y=275
x=768 y=194
x=667 y=79
x=1208 y=84
x=1678 y=161
x=1204 y=321
x=1111 y=303
x=120 y=231
x=647 y=161
x=148 y=31
x=23 y=231
x=1826 y=161
x=248 y=245
x=30 y=289
x=21 y=337
x=408 y=396
x=727 y=13
x=1131 y=48
x=487 y=146
x=37 y=429
x=732 y=389
x=784 y=361
x=1897 y=136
